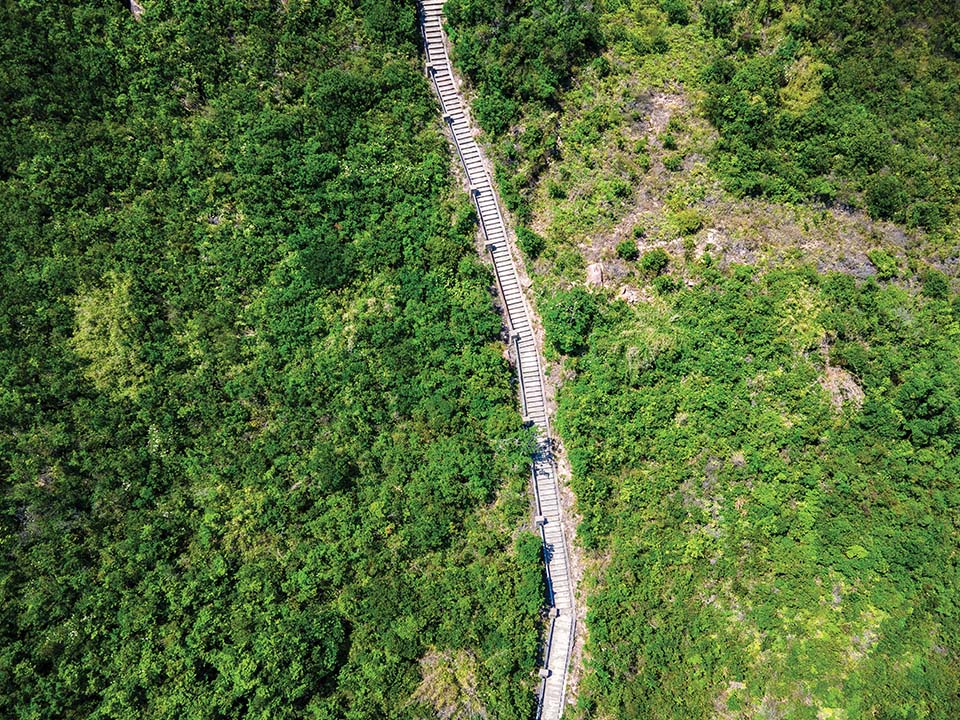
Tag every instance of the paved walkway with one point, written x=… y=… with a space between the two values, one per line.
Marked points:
x=524 y=348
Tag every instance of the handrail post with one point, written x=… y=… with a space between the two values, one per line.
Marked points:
x=515 y=338
x=475 y=194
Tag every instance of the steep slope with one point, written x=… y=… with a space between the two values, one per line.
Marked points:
x=258 y=445
x=740 y=221
x=521 y=322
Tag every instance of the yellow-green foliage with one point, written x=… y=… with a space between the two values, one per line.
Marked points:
x=804 y=84
x=106 y=335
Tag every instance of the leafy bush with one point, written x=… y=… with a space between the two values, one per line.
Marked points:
x=253 y=412
x=655 y=261
x=792 y=111
x=885 y=264
x=627 y=250
x=684 y=222
x=717 y=17
x=678 y=11
x=926 y=215
x=521 y=52
x=708 y=457
x=673 y=163
x=936 y=285
x=530 y=242
x=568 y=317
x=885 y=197
x=664 y=284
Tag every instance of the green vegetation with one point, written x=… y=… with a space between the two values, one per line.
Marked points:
x=764 y=454
x=782 y=520
x=519 y=52
x=807 y=93
x=655 y=261
x=530 y=242
x=627 y=250
x=257 y=441
x=568 y=317
x=885 y=264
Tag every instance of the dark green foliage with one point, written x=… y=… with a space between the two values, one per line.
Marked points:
x=253 y=415
x=627 y=250
x=926 y=215
x=936 y=285
x=658 y=43
x=885 y=197
x=521 y=55
x=853 y=97
x=718 y=16
x=664 y=284
x=678 y=11
x=568 y=318
x=655 y=261
x=519 y=51
x=530 y=242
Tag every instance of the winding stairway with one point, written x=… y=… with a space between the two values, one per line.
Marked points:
x=559 y=644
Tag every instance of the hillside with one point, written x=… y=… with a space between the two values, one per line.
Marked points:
x=261 y=454
x=259 y=449
x=741 y=222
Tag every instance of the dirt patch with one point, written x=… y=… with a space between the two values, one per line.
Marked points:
x=657 y=108
x=661 y=153
x=449 y=685
x=841 y=385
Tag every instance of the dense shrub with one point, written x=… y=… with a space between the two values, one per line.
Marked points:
x=530 y=242
x=655 y=261
x=627 y=250
x=885 y=263
x=568 y=317
x=936 y=285
x=678 y=11
x=814 y=107
x=885 y=197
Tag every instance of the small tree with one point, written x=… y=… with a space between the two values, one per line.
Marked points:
x=568 y=318
x=717 y=17
x=530 y=242
x=885 y=197
x=678 y=11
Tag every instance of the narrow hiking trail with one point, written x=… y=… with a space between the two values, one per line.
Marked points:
x=526 y=353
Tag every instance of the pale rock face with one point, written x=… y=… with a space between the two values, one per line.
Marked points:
x=595 y=274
